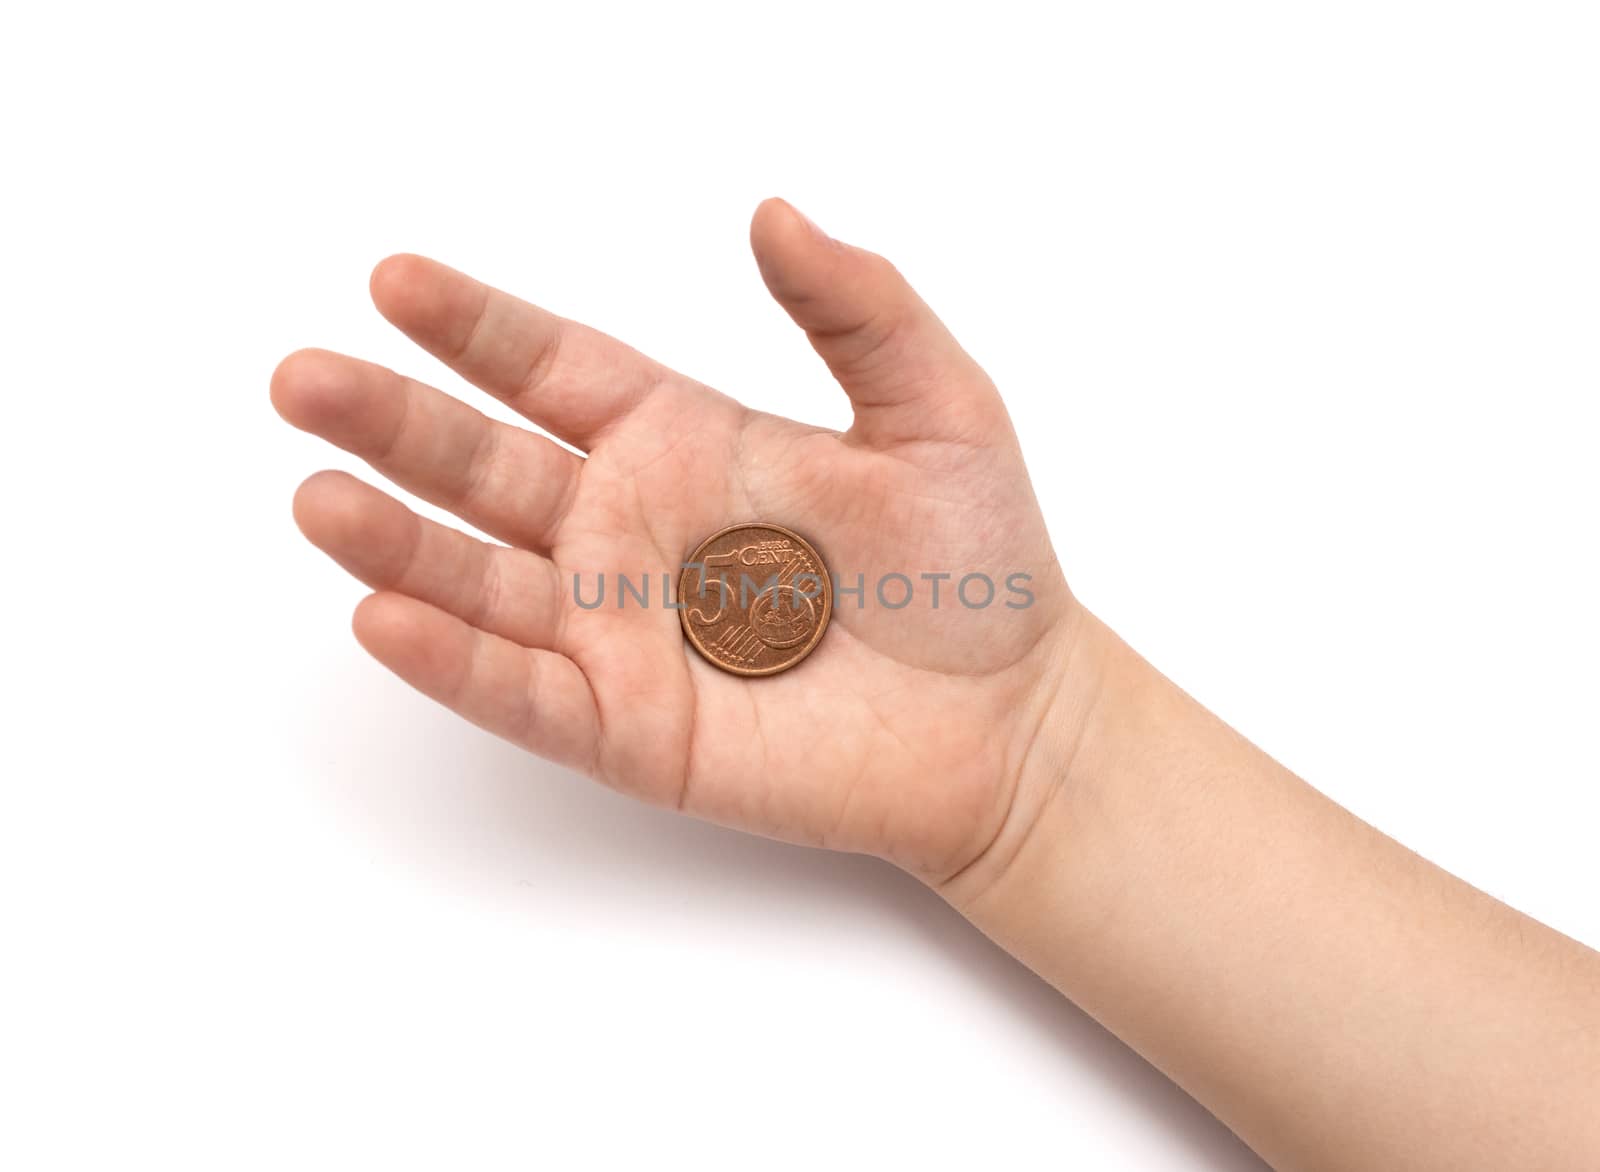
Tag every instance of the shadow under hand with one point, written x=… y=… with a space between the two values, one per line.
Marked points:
x=996 y=975
x=465 y=807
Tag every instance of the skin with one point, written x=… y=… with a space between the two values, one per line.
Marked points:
x=1339 y=1002
x=929 y=477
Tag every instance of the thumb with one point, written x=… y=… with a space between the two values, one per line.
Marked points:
x=906 y=376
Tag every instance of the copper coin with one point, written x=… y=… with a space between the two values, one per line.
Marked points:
x=755 y=598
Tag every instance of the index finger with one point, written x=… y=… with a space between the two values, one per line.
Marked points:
x=573 y=381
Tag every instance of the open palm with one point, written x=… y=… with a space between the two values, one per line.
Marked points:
x=904 y=734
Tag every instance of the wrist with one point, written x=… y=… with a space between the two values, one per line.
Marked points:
x=1054 y=723
x=1121 y=763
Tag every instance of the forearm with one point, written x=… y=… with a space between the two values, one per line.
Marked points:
x=1334 y=998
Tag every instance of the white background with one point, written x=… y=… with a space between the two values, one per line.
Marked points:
x=1296 y=307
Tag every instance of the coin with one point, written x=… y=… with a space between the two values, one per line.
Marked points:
x=755 y=598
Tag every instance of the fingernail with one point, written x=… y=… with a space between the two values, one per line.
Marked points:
x=808 y=222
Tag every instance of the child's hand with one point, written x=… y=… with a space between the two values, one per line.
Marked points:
x=1336 y=1000
x=907 y=733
